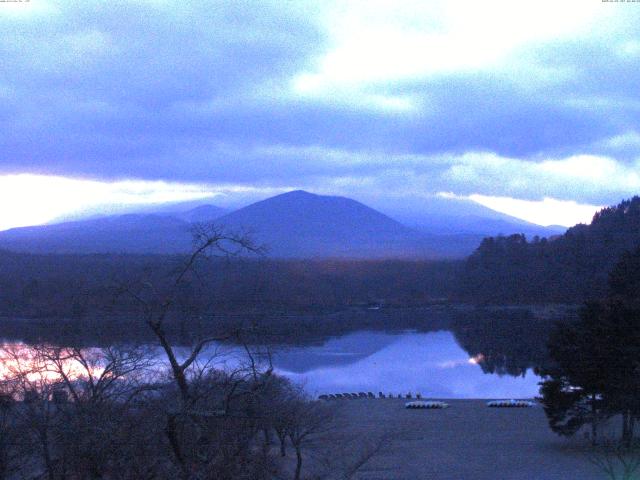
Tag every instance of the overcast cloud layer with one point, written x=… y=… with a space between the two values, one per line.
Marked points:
x=364 y=98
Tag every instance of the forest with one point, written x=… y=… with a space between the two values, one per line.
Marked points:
x=74 y=286
x=503 y=270
x=570 y=268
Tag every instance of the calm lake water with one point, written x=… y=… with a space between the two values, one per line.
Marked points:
x=472 y=356
x=432 y=363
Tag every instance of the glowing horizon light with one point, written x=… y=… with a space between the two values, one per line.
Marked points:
x=20 y=359
x=477 y=359
x=40 y=199
x=545 y=212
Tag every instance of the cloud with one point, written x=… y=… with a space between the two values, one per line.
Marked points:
x=58 y=196
x=548 y=211
x=377 y=42
x=367 y=99
x=592 y=179
x=579 y=177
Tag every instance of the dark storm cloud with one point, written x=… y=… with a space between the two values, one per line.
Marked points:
x=93 y=86
x=202 y=92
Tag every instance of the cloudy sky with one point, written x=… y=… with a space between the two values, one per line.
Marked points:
x=532 y=107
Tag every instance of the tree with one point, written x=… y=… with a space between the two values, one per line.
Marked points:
x=116 y=412
x=76 y=416
x=212 y=424
x=568 y=268
x=307 y=421
x=9 y=433
x=575 y=382
x=617 y=461
x=624 y=279
x=157 y=304
x=595 y=370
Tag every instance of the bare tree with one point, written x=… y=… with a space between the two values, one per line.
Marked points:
x=37 y=416
x=308 y=422
x=209 y=240
x=195 y=423
x=9 y=434
x=76 y=407
x=116 y=412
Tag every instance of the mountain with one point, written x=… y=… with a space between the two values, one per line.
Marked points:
x=301 y=224
x=568 y=268
x=460 y=216
x=292 y=225
x=296 y=224
x=130 y=233
x=165 y=232
x=200 y=214
x=455 y=226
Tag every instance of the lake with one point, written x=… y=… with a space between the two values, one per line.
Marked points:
x=466 y=356
x=432 y=364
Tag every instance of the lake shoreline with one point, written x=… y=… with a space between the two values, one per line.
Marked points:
x=269 y=327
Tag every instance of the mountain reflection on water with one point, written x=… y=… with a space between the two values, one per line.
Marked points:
x=473 y=354
x=432 y=364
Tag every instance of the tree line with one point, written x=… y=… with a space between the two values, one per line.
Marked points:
x=570 y=268
x=83 y=286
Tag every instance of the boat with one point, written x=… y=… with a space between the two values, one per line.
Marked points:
x=510 y=403
x=433 y=404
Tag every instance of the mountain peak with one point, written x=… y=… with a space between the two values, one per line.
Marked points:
x=297 y=194
x=304 y=224
x=300 y=192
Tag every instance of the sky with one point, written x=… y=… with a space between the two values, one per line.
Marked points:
x=530 y=108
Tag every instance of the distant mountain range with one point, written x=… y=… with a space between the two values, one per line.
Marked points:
x=461 y=216
x=130 y=233
x=296 y=224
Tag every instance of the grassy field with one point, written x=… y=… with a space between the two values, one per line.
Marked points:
x=466 y=441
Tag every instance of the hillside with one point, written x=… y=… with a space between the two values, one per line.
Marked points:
x=300 y=224
x=131 y=233
x=570 y=268
x=460 y=216
x=156 y=233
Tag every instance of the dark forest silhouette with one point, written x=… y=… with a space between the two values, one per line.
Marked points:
x=594 y=361
x=77 y=286
x=570 y=268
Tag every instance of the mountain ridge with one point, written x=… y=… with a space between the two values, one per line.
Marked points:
x=302 y=224
x=295 y=224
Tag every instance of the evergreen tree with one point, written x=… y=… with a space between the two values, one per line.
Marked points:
x=568 y=268
x=575 y=383
x=595 y=370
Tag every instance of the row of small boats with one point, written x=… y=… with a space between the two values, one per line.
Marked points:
x=427 y=404
x=510 y=404
x=434 y=404
x=419 y=403
x=349 y=396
